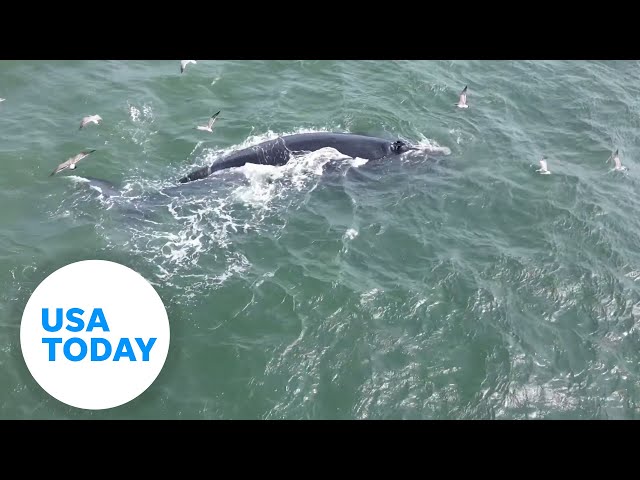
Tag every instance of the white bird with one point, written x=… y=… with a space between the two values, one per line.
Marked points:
x=90 y=119
x=2 y=99
x=184 y=63
x=209 y=126
x=616 y=160
x=543 y=167
x=71 y=163
x=462 y=102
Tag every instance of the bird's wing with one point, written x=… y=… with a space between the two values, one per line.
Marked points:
x=62 y=166
x=82 y=155
x=77 y=158
x=213 y=119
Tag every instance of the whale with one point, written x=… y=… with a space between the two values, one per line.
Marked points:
x=279 y=151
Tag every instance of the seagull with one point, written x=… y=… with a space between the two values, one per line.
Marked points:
x=616 y=161
x=71 y=163
x=543 y=167
x=184 y=63
x=2 y=99
x=90 y=119
x=209 y=126
x=462 y=103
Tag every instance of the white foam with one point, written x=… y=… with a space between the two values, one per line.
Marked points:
x=358 y=162
x=138 y=115
x=206 y=223
x=431 y=146
x=134 y=113
x=351 y=234
x=77 y=179
x=268 y=182
x=141 y=117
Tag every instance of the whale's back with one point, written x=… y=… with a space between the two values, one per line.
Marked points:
x=278 y=151
x=361 y=146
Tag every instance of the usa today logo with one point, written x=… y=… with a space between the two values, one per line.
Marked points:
x=95 y=334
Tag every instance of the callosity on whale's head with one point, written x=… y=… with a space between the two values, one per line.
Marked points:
x=400 y=147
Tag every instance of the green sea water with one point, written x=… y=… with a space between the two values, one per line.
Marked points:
x=464 y=286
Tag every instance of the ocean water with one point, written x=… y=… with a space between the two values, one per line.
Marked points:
x=460 y=286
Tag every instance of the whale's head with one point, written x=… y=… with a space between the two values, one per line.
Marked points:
x=399 y=147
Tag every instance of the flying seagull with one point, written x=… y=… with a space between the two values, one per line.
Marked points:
x=543 y=167
x=209 y=126
x=616 y=160
x=2 y=99
x=90 y=119
x=71 y=163
x=184 y=63
x=462 y=102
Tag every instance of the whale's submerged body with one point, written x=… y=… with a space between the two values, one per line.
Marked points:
x=279 y=151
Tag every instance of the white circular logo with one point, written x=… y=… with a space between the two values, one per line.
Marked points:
x=94 y=334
